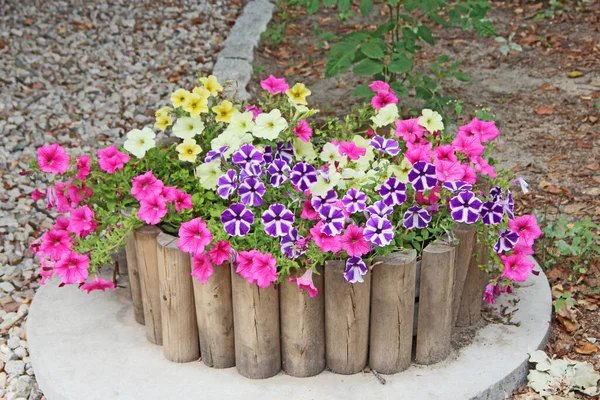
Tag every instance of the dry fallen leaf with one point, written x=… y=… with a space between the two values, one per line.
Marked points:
x=586 y=348
x=545 y=110
x=569 y=325
x=575 y=74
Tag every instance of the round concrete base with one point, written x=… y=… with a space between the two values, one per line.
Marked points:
x=89 y=347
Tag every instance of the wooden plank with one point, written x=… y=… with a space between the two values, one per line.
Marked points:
x=256 y=328
x=145 y=250
x=462 y=259
x=434 y=325
x=469 y=311
x=134 y=280
x=346 y=320
x=302 y=327
x=392 y=312
x=178 y=313
x=214 y=312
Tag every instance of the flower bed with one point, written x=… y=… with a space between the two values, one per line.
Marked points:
x=345 y=206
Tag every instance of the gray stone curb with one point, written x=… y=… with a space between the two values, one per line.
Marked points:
x=233 y=62
x=90 y=347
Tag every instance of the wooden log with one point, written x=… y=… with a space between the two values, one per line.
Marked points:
x=214 y=312
x=469 y=311
x=346 y=320
x=256 y=328
x=462 y=259
x=147 y=262
x=134 y=280
x=434 y=325
x=177 y=310
x=392 y=312
x=302 y=327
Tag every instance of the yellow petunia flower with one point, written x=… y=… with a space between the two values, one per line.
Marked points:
x=188 y=150
x=163 y=121
x=224 y=111
x=212 y=85
x=163 y=111
x=179 y=97
x=195 y=105
x=298 y=93
x=202 y=92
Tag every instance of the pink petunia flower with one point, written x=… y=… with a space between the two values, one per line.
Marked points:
x=445 y=153
x=256 y=111
x=354 y=242
x=274 y=85
x=308 y=212
x=110 y=159
x=419 y=153
x=53 y=159
x=84 y=167
x=169 y=193
x=484 y=168
x=305 y=282
x=97 y=284
x=182 y=201
x=220 y=252
x=37 y=195
x=62 y=224
x=325 y=243
x=432 y=198
x=152 y=209
x=523 y=248
x=146 y=185
x=379 y=86
x=46 y=270
x=449 y=171
x=194 y=236
x=82 y=221
x=516 y=267
x=303 y=131
x=488 y=295
x=483 y=130
x=55 y=244
x=382 y=99
x=409 y=129
x=72 y=268
x=470 y=175
x=351 y=150
x=203 y=268
x=264 y=269
x=469 y=146
x=244 y=265
x=526 y=227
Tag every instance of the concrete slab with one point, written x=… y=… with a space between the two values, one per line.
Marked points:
x=89 y=347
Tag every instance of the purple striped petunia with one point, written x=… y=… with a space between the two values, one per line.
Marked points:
x=465 y=207
x=268 y=154
x=491 y=213
x=278 y=170
x=278 y=220
x=509 y=205
x=355 y=270
x=303 y=175
x=380 y=209
x=333 y=219
x=389 y=146
x=393 y=192
x=226 y=184
x=354 y=201
x=247 y=154
x=251 y=192
x=214 y=154
x=379 y=231
x=237 y=220
x=496 y=193
x=290 y=244
x=507 y=240
x=416 y=217
x=318 y=201
x=284 y=152
x=422 y=176
x=250 y=170
x=457 y=186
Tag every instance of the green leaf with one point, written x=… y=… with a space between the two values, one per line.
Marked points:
x=438 y=19
x=363 y=91
x=484 y=28
x=312 y=6
x=411 y=5
x=400 y=64
x=399 y=88
x=344 y=5
x=329 y=3
x=425 y=34
x=366 y=6
x=340 y=59
x=368 y=67
x=461 y=76
x=373 y=48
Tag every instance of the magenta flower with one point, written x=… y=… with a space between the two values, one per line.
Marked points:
x=152 y=209
x=305 y=282
x=483 y=130
x=146 y=185
x=488 y=295
x=110 y=159
x=382 y=99
x=264 y=269
x=55 y=244
x=203 y=268
x=82 y=221
x=303 y=131
x=409 y=129
x=419 y=154
x=220 y=252
x=84 y=167
x=53 y=159
x=278 y=220
x=37 y=195
x=97 y=284
x=324 y=242
x=516 y=267
x=351 y=150
x=182 y=201
x=449 y=171
x=72 y=268
x=526 y=227
x=256 y=111
x=422 y=176
x=470 y=175
x=355 y=270
x=194 y=236
x=469 y=146
x=354 y=242
x=445 y=153
x=244 y=264
x=379 y=86
x=484 y=168
x=274 y=85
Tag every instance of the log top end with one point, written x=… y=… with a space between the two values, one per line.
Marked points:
x=166 y=240
x=438 y=248
x=399 y=257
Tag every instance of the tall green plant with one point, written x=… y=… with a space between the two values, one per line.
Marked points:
x=390 y=52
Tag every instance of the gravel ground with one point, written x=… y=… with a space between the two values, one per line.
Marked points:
x=81 y=73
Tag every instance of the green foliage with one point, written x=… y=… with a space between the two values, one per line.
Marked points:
x=389 y=52
x=563 y=300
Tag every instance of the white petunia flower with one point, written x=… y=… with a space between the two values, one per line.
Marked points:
x=240 y=123
x=387 y=115
x=431 y=120
x=303 y=151
x=268 y=126
x=209 y=173
x=139 y=141
x=187 y=127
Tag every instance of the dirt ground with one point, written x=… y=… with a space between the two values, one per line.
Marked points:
x=544 y=98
